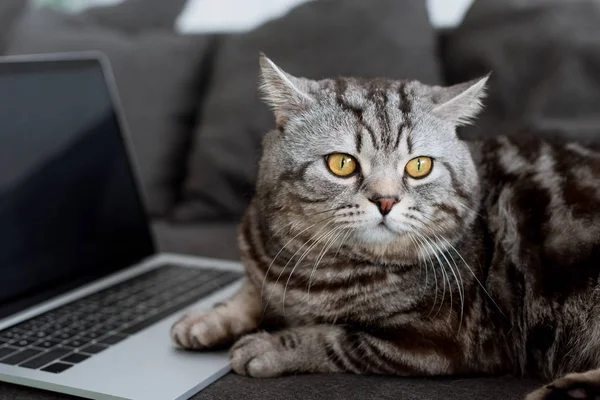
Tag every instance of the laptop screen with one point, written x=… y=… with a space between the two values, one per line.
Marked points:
x=69 y=206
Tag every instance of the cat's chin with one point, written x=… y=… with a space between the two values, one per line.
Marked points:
x=379 y=234
x=386 y=245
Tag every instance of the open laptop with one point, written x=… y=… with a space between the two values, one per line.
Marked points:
x=86 y=303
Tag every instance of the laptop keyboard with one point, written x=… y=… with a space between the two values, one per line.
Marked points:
x=59 y=339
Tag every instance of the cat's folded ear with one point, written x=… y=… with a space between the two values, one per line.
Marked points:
x=460 y=104
x=284 y=93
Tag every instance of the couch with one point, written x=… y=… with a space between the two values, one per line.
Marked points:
x=196 y=122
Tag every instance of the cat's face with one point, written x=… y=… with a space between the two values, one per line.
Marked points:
x=377 y=163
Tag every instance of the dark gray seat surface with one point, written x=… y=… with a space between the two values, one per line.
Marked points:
x=333 y=387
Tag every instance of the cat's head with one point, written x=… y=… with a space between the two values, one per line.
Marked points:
x=374 y=162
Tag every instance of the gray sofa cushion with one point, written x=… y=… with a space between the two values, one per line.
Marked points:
x=156 y=74
x=544 y=57
x=137 y=15
x=217 y=240
x=10 y=11
x=334 y=387
x=361 y=387
x=319 y=39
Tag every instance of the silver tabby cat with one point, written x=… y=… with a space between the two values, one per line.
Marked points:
x=378 y=242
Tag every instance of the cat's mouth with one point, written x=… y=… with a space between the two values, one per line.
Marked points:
x=389 y=228
x=383 y=224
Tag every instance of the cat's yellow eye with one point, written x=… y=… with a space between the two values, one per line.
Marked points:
x=341 y=164
x=419 y=167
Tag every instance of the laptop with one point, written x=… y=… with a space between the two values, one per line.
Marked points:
x=86 y=302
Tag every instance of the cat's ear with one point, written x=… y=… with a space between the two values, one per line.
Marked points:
x=284 y=93
x=460 y=104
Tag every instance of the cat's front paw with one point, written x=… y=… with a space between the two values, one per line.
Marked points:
x=260 y=355
x=210 y=328
x=584 y=386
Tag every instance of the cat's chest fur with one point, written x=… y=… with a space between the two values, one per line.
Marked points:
x=338 y=293
x=332 y=288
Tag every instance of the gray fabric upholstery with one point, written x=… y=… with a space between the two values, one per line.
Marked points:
x=319 y=39
x=137 y=15
x=156 y=74
x=544 y=59
x=10 y=11
x=218 y=240
x=352 y=387
x=334 y=387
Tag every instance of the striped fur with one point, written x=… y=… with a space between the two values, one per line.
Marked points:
x=490 y=264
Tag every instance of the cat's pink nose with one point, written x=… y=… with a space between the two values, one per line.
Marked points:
x=385 y=204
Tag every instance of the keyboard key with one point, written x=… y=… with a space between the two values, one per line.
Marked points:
x=38 y=334
x=75 y=358
x=77 y=342
x=11 y=335
x=93 y=349
x=94 y=334
x=45 y=358
x=77 y=329
x=54 y=326
x=47 y=344
x=45 y=318
x=135 y=328
x=23 y=342
x=111 y=339
x=29 y=325
x=21 y=356
x=87 y=324
x=90 y=336
x=57 y=368
x=63 y=335
x=111 y=326
x=16 y=330
x=5 y=351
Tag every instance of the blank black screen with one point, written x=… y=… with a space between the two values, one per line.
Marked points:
x=69 y=207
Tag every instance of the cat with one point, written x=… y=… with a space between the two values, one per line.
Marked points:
x=378 y=242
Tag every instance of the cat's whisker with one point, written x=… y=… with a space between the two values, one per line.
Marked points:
x=455 y=272
x=328 y=210
x=290 y=225
x=343 y=241
x=282 y=248
x=306 y=252
x=443 y=254
x=321 y=254
x=466 y=264
x=423 y=251
x=329 y=221
x=461 y=288
x=412 y=239
x=470 y=209
x=474 y=276
x=434 y=275
x=326 y=248
x=444 y=274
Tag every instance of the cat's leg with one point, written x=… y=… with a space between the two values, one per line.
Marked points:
x=585 y=386
x=329 y=348
x=222 y=324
